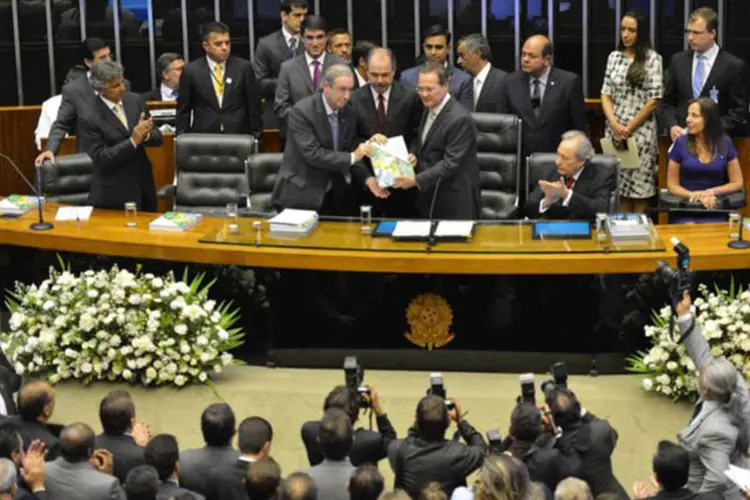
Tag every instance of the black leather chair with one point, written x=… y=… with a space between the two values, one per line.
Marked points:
x=210 y=171
x=68 y=181
x=262 y=170
x=499 y=157
x=540 y=164
x=731 y=201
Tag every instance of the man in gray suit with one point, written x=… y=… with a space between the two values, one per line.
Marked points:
x=335 y=436
x=317 y=158
x=301 y=77
x=73 y=476
x=446 y=153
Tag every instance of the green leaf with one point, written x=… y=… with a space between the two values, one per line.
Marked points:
x=210 y=384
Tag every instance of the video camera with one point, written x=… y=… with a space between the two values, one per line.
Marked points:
x=354 y=376
x=437 y=388
x=679 y=279
x=559 y=373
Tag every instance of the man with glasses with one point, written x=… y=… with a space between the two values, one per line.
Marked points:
x=302 y=76
x=437 y=45
x=169 y=67
x=705 y=70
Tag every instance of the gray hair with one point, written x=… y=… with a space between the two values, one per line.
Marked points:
x=8 y=477
x=584 y=149
x=337 y=71
x=720 y=378
x=103 y=73
x=382 y=51
x=164 y=61
x=477 y=43
x=573 y=488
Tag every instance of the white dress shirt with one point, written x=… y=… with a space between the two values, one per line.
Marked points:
x=566 y=201
x=709 y=58
x=167 y=94
x=432 y=115
x=212 y=67
x=479 y=81
x=362 y=82
x=288 y=36
x=309 y=59
x=50 y=107
x=386 y=98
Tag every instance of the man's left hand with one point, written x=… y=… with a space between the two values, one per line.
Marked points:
x=412 y=160
x=553 y=190
x=404 y=182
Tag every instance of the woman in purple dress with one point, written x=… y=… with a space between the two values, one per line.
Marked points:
x=703 y=163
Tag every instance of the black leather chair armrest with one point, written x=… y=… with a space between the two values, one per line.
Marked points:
x=168 y=191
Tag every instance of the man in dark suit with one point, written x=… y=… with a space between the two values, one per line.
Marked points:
x=317 y=158
x=704 y=71
x=10 y=382
x=369 y=447
x=76 y=100
x=361 y=50
x=262 y=480
x=547 y=99
x=302 y=76
x=218 y=428
x=475 y=56
x=388 y=108
x=436 y=44
x=573 y=190
x=445 y=154
x=36 y=402
x=169 y=67
x=254 y=438
x=218 y=93
x=340 y=44
x=332 y=475
x=671 y=467
x=163 y=454
x=29 y=465
x=118 y=128
x=123 y=435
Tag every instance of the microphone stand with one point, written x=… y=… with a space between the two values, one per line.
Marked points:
x=740 y=244
x=40 y=225
x=431 y=242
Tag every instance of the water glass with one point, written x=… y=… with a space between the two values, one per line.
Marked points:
x=232 y=211
x=258 y=226
x=365 y=219
x=734 y=225
x=130 y=214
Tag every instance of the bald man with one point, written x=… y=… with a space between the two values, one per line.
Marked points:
x=36 y=402
x=549 y=100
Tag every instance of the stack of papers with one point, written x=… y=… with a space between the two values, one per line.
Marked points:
x=175 y=221
x=294 y=221
x=412 y=230
x=628 y=227
x=73 y=213
x=454 y=229
x=391 y=160
x=17 y=204
x=444 y=230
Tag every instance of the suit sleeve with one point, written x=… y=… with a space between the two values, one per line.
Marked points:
x=475 y=451
x=386 y=435
x=466 y=95
x=252 y=102
x=102 y=155
x=261 y=68
x=460 y=143
x=282 y=99
x=117 y=493
x=64 y=123
x=155 y=138
x=184 y=103
x=582 y=207
x=714 y=449
x=577 y=107
x=531 y=207
x=302 y=131
x=667 y=114
x=503 y=104
x=735 y=121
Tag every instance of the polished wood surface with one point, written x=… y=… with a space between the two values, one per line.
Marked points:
x=106 y=233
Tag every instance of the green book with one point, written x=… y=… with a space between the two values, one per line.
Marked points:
x=175 y=221
x=18 y=204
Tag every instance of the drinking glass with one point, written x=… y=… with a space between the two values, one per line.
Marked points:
x=365 y=219
x=131 y=211
x=232 y=210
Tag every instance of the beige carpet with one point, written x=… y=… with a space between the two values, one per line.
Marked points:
x=288 y=397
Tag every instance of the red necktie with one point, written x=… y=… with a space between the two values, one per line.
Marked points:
x=381 y=113
x=569 y=182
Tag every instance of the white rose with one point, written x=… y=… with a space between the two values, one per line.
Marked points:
x=86 y=322
x=127 y=374
x=20 y=368
x=202 y=377
x=134 y=299
x=202 y=341
x=209 y=305
x=150 y=373
x=49 y=304
x=182 y=287
x=157 y=283
x=92 y=293
x=54 y=378
x=87 y=368
x=16 y=320
x=672 y=366
x=226 y=358
x=648 y=384
x=178 y=303
x=180 y=380
x=181 y=329
x=222 y=334
x=59 y=321
x=217 y=368
x=71 y=353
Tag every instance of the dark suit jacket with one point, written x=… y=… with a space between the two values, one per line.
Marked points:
x=10 y=382
x=686 y=494
x=546 y=465
x=728 y=76
x=240 y=111
x=77 y=97
x=449 y=152
x=168 y=490
x=24 y=494
x=562 y=109
x=272 y=50
x=196 y=464
x=122 y=172
x=152 y=95
x=369 y=447
x=125 y=452
x=489 y=96
x=591 y=194
x=460 y=84
x=228 y=482
x=31 y=431
x=310 y=164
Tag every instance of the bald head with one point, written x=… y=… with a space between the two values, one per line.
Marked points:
x=298 y=486
x=536 y=55
x=381 y=68
x=76 y=442
x=36 y=401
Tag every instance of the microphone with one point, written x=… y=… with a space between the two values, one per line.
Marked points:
x=40 y=225
x=739 y=243
x=431 y=240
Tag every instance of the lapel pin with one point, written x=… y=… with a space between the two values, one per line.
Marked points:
x=229 y=80
x=552 y=83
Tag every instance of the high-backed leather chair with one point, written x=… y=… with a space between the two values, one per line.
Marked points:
x=68 y=181
x=540 y=164
x=262 y=170
x=499 y=157
x=210 y=171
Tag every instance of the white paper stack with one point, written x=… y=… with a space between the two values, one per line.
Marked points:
x=412 y=229
x=454 y=229
x=293 y=221
x=628 y=227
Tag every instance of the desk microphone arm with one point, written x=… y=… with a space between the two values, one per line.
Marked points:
x=39 y=225
x=739 y=243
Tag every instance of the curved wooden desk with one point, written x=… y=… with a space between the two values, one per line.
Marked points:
x=106 y=234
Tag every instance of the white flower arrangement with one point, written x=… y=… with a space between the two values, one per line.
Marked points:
x=724 y=317
x=118 y=326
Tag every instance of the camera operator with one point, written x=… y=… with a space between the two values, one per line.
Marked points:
x=369 y=446
x=586 y=441
x=530 y=444
x=425 y=455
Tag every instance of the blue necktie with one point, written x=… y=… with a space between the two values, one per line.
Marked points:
x=292 y=48
x=698 y=77
x=333 y=118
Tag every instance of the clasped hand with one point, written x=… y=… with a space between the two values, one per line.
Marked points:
x=553 y=191
x=142 y=129
x=706 y=198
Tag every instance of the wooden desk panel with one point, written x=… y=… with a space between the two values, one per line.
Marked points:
x=106 y=233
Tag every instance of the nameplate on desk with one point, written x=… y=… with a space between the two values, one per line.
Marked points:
x=73 y=213
x=422 y=230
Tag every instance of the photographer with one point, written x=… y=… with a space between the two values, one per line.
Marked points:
x=586 y=441
x=369 y=446
x=426 y=456
x=534 y=448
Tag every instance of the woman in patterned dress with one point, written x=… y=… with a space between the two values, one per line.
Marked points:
x=630 y=93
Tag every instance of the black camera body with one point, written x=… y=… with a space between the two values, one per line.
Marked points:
x=680 y=278
x=559 y=379
x=354 y=376
x=495 y=441
x=437 y=388
x=528 y=389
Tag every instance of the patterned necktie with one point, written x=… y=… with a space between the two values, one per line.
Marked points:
x=292 y=48
x=176 y=94
x=120 y=114
x=536 y=97
x=698 y=76
x=477 y=90
x=316 y=74
x=428 y=124
x=333 y=119
x=218 y=81
x=381 y=113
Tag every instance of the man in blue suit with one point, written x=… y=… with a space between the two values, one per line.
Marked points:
x=437 y=45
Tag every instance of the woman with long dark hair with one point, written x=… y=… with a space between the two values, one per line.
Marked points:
x=703 y=163
x=631 y=91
